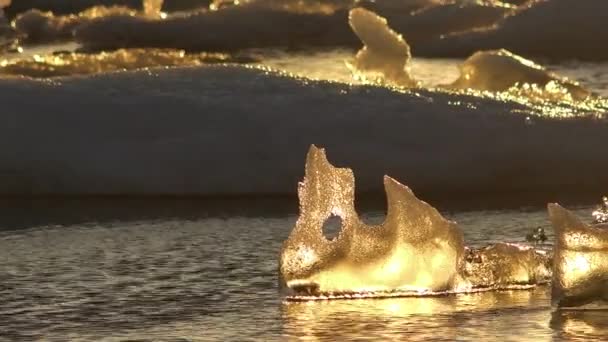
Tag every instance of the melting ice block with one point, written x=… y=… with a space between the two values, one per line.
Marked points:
x=499 y=70
x=503 y=265
x=384 y=52
x=415 y=249
x=580 y=265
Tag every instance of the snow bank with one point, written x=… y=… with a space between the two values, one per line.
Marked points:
x=272 y=23
x=61 y=7
x=555 y=29
x=230 y=130
x=44 y=27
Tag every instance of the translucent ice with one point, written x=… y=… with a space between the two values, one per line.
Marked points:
x=503 y=265
x=500 y=70
x=384 y=52
x=152 y=8
x=415 y=249
x=580 y=265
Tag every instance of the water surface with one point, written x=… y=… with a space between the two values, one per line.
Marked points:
x=127 y=270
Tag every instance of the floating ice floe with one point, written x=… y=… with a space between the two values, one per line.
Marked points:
x=556 y=29
x=414 y=252
x=580 y=276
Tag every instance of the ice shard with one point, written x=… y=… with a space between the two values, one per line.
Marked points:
x=153 y=8
x=580 y=265
x=384 y=52
x=414 y=250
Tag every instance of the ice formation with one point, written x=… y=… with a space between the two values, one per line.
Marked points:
x=387 y=54
x=503 y=264
x=580 y=265
x=65 y=64
x=153 y=8
x=500 y=70
x=555 y=29
x=384 y=51
x=415 y=251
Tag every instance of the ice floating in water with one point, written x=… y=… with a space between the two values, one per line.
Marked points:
x=580 y=265
x=505 y=264
x=64 y=64
x=415 y=251
x=384 y=51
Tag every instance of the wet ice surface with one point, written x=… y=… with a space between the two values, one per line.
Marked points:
x=186 y=272
x=330 y=64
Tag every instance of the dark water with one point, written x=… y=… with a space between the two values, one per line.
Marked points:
x=195 y=272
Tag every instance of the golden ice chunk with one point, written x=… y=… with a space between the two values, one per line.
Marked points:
x=415 y=249
x=580 y=265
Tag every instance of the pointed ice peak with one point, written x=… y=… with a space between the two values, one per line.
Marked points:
x=385 y=52
x=580 y=265
x=326 y=190
x=153 y=8
x=414 y=218
x=572 y=233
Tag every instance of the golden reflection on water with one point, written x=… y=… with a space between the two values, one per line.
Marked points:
x=580 y=325
x=415 y=318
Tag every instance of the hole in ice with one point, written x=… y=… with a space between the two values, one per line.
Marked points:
x=332 y=227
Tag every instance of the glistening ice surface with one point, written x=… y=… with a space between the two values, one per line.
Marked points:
x=181 y=272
